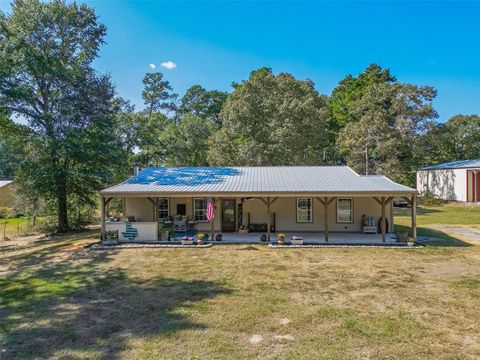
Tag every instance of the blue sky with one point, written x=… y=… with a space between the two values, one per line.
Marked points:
x=215 y=43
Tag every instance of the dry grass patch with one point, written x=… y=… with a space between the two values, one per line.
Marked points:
x=61 y=301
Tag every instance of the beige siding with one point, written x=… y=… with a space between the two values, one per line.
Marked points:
x=141 y=208
x=284 y=209
x=285 y=214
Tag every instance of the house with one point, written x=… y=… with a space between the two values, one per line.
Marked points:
x=7 y=193
x=456 y=180
x=314 y=200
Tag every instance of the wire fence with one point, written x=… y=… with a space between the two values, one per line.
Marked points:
x=21 y=227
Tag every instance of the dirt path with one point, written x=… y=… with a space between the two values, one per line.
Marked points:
x=469 y=233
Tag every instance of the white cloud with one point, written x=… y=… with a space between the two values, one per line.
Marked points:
x=152 y=66
x=169 y=65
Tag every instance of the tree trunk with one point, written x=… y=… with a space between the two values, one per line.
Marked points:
x=61 y=185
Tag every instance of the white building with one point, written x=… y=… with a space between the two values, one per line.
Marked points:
x=456 y=180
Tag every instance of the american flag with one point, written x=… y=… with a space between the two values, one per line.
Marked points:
x=210 y=209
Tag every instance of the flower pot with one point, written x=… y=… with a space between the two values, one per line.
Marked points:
x=164 y=235
x=297 y=240
x=263 y=238
x=186 y=241
x=281 y=241
x=200 y=241
x=110 y=242
x=410 y=243
x=218 y=237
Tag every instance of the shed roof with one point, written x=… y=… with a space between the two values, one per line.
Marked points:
x=5 y=183
x=462 y=164
x=254 y=180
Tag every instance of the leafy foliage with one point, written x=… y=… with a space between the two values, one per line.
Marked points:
x=46 y=79
x=270 y=120
x=64 y=135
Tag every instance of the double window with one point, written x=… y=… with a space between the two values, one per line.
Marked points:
x=344 y=210
x=304 y=210
x=200 y=209
x=163 y=208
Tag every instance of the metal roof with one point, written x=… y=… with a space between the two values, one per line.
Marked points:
x=5 y=183
x=462 y=164
x=251 y=180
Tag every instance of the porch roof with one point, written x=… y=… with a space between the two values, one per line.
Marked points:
x=462 y=164
x=275 y=180
x=5 y=182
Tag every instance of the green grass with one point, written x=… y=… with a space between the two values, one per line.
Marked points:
x=59 y=300
x=433 y=218
x=14 y=227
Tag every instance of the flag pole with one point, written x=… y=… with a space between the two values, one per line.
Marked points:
x=212 y=218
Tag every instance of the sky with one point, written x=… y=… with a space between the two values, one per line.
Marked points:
x=216 y=43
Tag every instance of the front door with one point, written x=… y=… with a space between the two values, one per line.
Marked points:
x=228 y=215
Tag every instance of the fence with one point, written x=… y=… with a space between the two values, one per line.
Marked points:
x=12 y=228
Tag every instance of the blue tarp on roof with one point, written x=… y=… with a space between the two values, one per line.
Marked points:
x=261 y=179
x=462 y=164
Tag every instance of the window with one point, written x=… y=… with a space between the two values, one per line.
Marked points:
x=304 y=210
x=345 y=210
x=163 y=208
x=200 y=209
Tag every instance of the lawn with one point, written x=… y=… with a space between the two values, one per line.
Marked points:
x=13 y=226
x=450 y=222
x=59 y=300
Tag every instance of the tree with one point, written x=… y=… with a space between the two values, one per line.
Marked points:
x=392 y=118
x=158 y=94
x=351 y=89
x=186 y=142
x=200 y=102
x=462 y=137
x=270 y=120
x=46 y=79
x=9 y=158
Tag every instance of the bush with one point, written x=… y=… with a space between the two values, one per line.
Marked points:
x=6 y=212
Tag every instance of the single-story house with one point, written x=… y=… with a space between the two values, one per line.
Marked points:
x=455 y=180
x=7 y=193
x=265 y=199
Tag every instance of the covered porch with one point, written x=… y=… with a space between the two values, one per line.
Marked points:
x=314 y=238
x=323 y=203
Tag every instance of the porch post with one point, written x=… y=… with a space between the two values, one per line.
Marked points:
x=383 y=218
x=269 y=215
x=325 y=219
x=414 y=217
x=102 y=216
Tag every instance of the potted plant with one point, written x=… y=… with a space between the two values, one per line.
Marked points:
x=164 y=233
x=187 y=240
x=110 y=237
x=200 y=238
x=281 y=239
x=297 y=240
x=410 y=241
